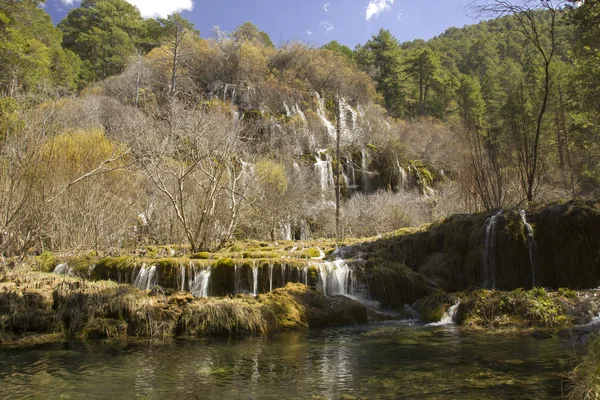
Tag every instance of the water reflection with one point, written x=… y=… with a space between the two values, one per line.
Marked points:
x=387 y=361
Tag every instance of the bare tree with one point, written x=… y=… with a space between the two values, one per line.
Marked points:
x=530 y=16
x=196 y=165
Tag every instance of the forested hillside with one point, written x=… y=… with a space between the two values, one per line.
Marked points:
x=117 y=130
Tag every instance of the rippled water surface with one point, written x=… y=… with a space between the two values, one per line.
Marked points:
x=379 y=361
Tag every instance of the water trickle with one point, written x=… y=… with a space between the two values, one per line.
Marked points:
x=322 y=115
x=532 y=249
x=147 y=278
x=449 y=316
x=236 y=279
x=489 y=254
x=182 y=267
x=286 y=231
x=324 y=170
x=305 y=275
x=62 y=269
x=270 y=277
x=284 y=274
x=254 y=279
x=199 y=285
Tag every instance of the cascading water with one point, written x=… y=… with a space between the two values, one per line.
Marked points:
x=147 y=278
x=305 y=275
x=449 y=316
x=236 y=279
x=62 y=269
x=182 y=268
x=286 y=231
x=489 y=255
x=270 y=277
x=255 y=280
x=200 y=283
x=335 y=278
x=324 y=170
x=532 y=249
x=322 y=114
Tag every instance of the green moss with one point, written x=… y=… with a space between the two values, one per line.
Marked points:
x=46 y=261
x=204 y=255
x=567 y=293
x=313 y=252
x=535 y=308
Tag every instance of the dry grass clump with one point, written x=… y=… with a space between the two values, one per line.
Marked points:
x=585 y=379
x=223 y=317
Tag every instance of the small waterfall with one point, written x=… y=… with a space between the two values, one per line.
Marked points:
x=299 y=112
x=489 y=255
x=62 y=269
x=286 y=231
x=365 y=174
x=270 y=277
x=322 y=114
x=288 y=113
x=448 y=318
x=324 y=170
x=305 y=275
x=147 y=278
x=335 y=278
x=236 y=279
x=254 y=279
x=402 y=176
x=351 y=175
x=284 y=274
x=199 y=286
x=182 y=277
x=532 y=249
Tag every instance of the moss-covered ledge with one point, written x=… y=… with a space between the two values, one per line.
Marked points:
x=42 y=306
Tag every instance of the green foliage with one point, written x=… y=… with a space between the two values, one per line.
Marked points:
x=341 y=49
x=103 y=34
x=31 y=57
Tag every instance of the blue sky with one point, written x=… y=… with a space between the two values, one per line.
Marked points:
x=313 y=21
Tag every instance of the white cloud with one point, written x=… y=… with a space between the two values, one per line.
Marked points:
x=152 y=8
x=309 y=32
x=376 y=7
x=326 y=26
x=326 y=7
x=399 y=16
x=161 y=8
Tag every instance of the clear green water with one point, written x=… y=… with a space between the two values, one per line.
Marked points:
x=379 y=361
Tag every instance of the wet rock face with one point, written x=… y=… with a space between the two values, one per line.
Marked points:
x=465 y=251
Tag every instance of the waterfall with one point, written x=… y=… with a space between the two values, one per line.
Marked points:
x=305 y=275
x=147 y=278
x=286 y=231
x=532 y=249
x=199 y=286
x=62 y=269
x=448 y=318
x=270 y=277
x=402 y=176
x=489 y=255
x=335 y=278
x=254 y=279
x=299 y=112
x=182 y=267
x=283 y=274
x=236 y=279
x=288 y=113
x=322 y=114
x=351 y=175
x=364 y=163
x=324 y=170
